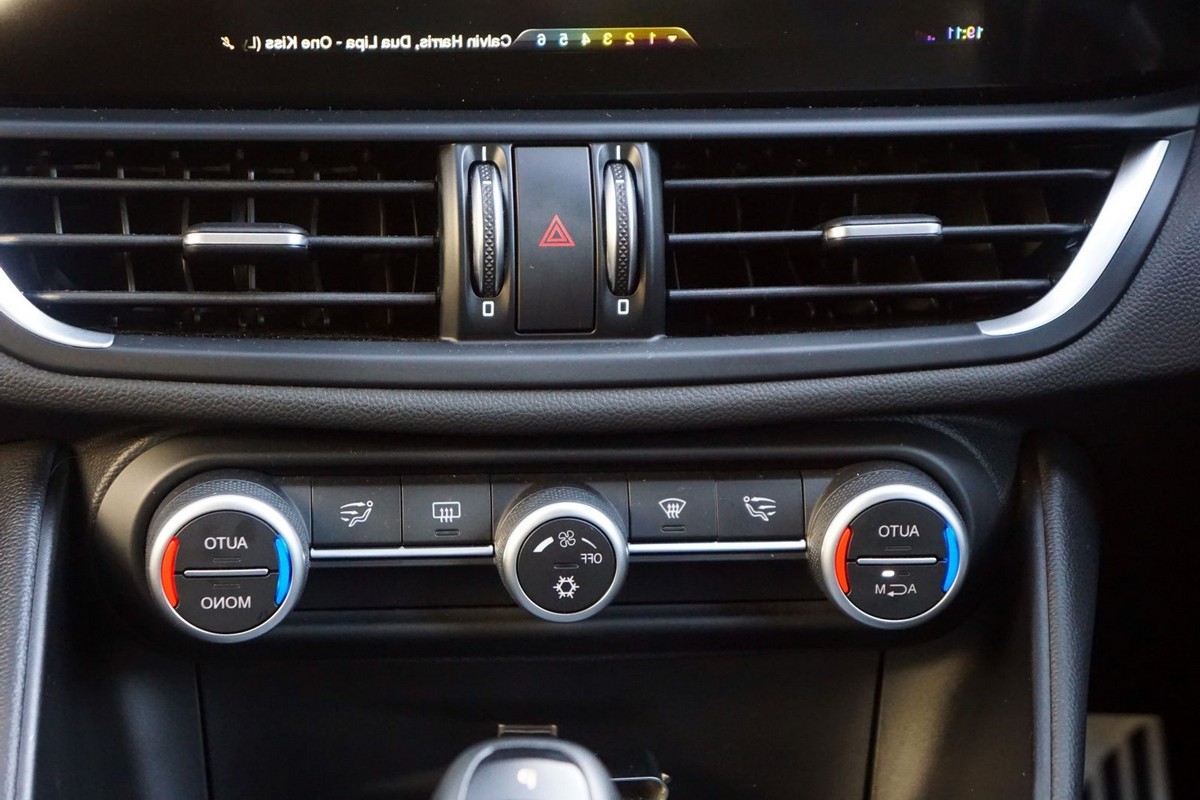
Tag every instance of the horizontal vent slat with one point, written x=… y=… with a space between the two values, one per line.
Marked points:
x=953 y=233
x=786 y=236
x=944 y=288
x=93 y=234
x=116 y=241
x=852 y=181
x=196 y=185
x=232 y=299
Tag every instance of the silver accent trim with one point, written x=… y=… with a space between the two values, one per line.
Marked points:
x=716 y=548
x=487 y=551
x=896 y=562
x=611 y=228
x=252 y=506
x=1129 y=191
x=18 y=310
x=496 y=191
x=882 y=230
x=355 y=553
x=290 y=239
x=860 y=503
x=260 y=572
x=566 y=509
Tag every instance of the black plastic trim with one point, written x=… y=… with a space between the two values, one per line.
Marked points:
x=124 y=512
x=1156 y=113
x=582 y=363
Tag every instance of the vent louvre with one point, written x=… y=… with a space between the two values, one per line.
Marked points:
x=92 y=234
x=747 y=254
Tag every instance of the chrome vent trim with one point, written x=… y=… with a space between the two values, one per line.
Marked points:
x=1125 y=199
x=16 y=309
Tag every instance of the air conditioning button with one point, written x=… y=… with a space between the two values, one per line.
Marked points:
x=562 y=552
x=566 y=566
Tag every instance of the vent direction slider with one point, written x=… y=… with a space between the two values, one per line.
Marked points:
x=892 y=230
x=249 y=241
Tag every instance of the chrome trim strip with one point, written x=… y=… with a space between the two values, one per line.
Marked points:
x=290 y=239
x=357 y=553
x=487 y=551
x=897 y=562
x=715 y=548
x=880 y=230
x=857 y=505
x=1125 y=199
x=18 y=310
x=253 y=572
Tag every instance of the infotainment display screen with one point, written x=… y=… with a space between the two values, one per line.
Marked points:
x=580 y=53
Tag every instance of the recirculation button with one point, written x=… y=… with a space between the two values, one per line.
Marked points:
x=896 y=591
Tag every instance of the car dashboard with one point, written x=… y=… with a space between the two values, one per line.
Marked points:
x=553 y=401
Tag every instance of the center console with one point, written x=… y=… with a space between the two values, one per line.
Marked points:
x=696 y=615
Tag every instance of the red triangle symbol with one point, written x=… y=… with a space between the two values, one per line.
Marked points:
x=556 y=235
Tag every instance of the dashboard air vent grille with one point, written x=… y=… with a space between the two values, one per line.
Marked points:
x=750 y=249
x=93 y=235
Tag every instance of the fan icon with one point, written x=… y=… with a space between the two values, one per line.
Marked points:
x=566 y=587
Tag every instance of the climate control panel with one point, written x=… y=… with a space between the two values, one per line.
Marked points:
x=227 y=554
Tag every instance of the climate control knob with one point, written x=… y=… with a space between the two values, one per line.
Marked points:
x=887 y=545
x=562 y=552
x=226 y=556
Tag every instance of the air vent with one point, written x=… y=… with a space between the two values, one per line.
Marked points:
x=965 y=230
x=93 y=234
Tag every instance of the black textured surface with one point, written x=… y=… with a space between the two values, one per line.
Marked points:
x=717 y=723
x=1149 y=334
x=1059 y=515
x=24 y=472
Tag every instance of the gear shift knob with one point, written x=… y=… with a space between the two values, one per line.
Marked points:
x=526 y=768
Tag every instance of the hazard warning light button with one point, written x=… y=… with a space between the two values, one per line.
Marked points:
x=556 y=250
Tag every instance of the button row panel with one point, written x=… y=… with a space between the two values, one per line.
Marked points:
x=436 y=516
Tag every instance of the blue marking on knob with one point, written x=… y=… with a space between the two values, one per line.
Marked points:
x=284 y=582
x=952 y=558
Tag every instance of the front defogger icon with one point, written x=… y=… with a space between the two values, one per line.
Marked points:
x=354 y=513
x=672 y=506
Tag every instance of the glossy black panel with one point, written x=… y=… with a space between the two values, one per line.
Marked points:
x=453 y=54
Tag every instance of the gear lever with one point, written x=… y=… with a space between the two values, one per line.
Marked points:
x=526 y=768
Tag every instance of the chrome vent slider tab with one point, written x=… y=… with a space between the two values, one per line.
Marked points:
x=890 y=230
x=244 y=241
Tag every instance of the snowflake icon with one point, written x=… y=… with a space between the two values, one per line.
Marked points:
x=566 y=587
